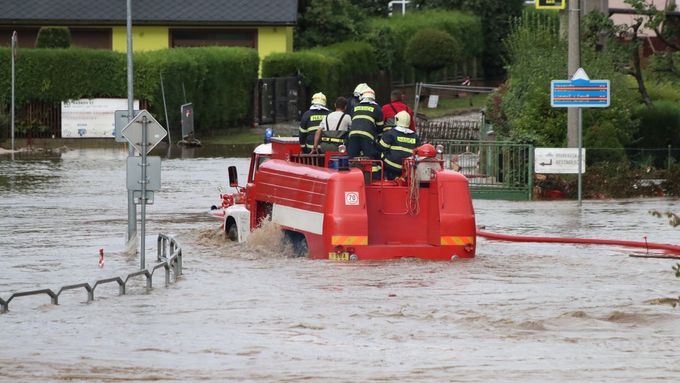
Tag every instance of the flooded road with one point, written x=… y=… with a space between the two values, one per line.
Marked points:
x=518 y=312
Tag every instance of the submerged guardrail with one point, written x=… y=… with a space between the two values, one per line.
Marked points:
x=169 y=258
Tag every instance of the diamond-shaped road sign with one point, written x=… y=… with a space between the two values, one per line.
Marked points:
x=133 y=131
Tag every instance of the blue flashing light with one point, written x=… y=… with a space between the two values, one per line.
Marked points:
x=268 y=133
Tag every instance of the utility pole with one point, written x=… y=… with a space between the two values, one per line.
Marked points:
x=132 y=209
x=14 y=73
x=574 y=62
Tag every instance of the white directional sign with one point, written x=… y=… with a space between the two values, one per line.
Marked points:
x=558 y=160
x=133 y=132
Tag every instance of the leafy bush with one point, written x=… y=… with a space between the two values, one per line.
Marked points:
x=659 y=125
x=53 y=37
x=324 y=22
x=431 y=49
x=463 y=27
x=218 y=80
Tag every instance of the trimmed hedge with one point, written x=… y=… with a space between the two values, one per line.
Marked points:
x=218 y=81
x=463 y=27
x=334 y=70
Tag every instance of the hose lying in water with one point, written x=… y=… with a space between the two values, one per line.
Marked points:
x=587 y=241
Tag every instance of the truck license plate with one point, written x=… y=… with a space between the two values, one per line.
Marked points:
x=333 y=256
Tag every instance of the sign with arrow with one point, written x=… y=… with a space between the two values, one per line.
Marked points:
x=579 y=92
x=558 y=160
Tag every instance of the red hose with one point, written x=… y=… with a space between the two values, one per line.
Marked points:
x=588 y=241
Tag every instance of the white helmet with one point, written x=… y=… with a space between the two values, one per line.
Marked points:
x=367 y=93
x=403 y=119
x=360 y=89
x=319 y=99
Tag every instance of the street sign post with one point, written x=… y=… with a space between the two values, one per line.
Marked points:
x=580 y=92
x=558 y=160
x=143 y=133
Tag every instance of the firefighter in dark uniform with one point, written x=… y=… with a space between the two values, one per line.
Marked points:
x=310 y=121
x=397 y=144
x=367 y=121
x=356 y=97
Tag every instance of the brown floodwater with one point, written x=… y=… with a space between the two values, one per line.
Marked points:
x=250 y=312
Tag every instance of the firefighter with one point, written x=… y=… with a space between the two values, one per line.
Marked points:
x=397 y=144
x=310 y=121
x=367 y=121
x=356 y=97
x=395 y=106
x=333 y=129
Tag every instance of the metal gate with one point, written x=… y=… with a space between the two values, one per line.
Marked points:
x=495 y=170
x=278 y=99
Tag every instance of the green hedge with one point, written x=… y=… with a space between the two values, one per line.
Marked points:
x=463 y=27
x=334 y=70
x=219 y=81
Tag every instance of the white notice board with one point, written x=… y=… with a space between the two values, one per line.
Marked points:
x=558 y=160
x=89 y=118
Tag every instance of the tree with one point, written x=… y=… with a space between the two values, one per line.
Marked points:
x=325 y=22
x=372 y=7
x=53 y=37
x=431 y=49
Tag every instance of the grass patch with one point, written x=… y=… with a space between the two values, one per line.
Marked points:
x=454 y=105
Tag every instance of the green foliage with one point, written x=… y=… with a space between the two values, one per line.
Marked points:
x=372 y=7
x=325 y=22
x=334 y=70
x=463 y=27
x=53 y=37
x=537 y=55
x=385 y=46
x=219 y=81
x=495 y=16
x=659 y=125
x=54 y=75
x=431 y=49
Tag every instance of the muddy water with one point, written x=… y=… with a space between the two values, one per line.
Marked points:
x=518 y=312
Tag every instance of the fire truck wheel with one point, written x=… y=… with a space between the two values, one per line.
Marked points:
x=299 y=243
x=232 y=231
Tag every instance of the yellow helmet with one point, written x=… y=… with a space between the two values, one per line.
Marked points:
x=360 y=89
x=403 y=119
x=368 y=93
x=319 y=99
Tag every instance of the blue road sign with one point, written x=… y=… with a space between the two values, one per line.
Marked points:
x=579 y=92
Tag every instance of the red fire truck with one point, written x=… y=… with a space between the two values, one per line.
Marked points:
x=331 y=207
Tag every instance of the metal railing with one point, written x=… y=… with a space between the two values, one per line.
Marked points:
x=169 y=258
x=495 y=170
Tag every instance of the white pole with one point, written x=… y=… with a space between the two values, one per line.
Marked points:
x=14 y=54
